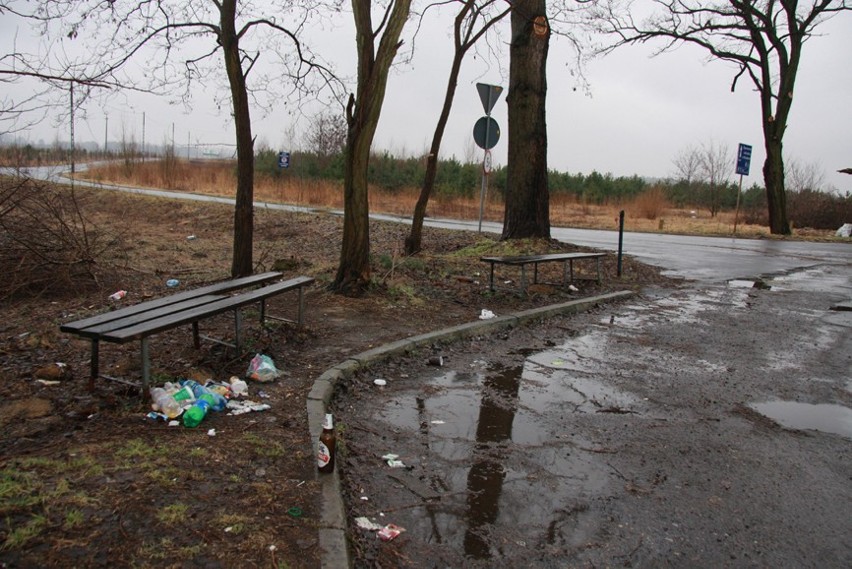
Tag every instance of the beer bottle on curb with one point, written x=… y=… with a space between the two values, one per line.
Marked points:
x=326 y=446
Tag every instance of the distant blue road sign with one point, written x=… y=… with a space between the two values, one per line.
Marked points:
x=283 y=159
x=743 y=159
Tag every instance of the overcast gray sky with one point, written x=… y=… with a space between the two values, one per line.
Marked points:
x=640 y=111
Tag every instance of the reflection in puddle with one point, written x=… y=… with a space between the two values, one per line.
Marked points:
x=491 y=437
x=823 y=417
x=485 y=477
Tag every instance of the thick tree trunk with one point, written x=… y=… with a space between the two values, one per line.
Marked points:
x=776 y=197
x=362 y=116
x=353 y=273
x=527 y=195
x=241 y=264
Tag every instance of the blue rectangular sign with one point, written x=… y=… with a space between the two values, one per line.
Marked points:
x=283 y=159
x=743 y=159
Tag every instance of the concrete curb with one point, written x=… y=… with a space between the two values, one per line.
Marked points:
x=334 y=549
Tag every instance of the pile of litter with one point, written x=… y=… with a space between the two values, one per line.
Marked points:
x=188 y=402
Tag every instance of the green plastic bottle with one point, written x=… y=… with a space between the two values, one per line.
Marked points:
x=195 y=414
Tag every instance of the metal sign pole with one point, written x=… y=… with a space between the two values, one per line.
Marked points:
x=484 y=178
x=737 y=213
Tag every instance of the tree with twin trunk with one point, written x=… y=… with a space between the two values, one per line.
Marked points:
x=362 y=118
x=762 y=38
x=527 y=212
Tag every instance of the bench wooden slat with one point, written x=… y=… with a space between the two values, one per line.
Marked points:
x=526 y=259
x=226 y=286
x=205 y=311
x=99 y=329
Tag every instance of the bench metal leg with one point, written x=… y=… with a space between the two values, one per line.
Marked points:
x=571 y=270
x=196 y=338
x=238 y=321
x=535 y=273
x=523 y=279
x=263 y=310
x=301 y=306
x=94 y=371
x=491 y=279
x=146 y=366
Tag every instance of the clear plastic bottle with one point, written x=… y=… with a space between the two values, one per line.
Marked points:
x=238 y=387
x=217 y=402
x=164 y=403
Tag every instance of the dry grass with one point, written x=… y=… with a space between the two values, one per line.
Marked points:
x=649 y=212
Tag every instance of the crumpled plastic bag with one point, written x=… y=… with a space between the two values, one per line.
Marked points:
x=262 y=369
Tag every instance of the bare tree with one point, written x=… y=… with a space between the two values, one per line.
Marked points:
x=326 y=135
x=160 y=37
x=472 y=21
x=803 y=177
x=762 y=38
x=42 y=72
x=527 y=195
x=707 y=169
x=687 y=165
x=716 y=166
x=362 y=117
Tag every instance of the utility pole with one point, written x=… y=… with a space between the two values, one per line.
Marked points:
x=106 y=134
x=143 y=134
x=188 y=134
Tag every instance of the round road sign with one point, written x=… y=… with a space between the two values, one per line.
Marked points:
x=486 y=133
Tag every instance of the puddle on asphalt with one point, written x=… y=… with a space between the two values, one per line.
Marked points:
x=493 y=442
x=825 y=417
x=740 y=283
x=681 y=308
x=816 y=279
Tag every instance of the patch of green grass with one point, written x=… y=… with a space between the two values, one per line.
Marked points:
x=165 y=549
x=403 y=291
x=385 y=261
x=237 y=523
x=136 y=449
x=263 y=447
x=73 y=519
x=198 y=452
x=164 y=476
x=235 y=478
x=173 y=514
x=21 y=534
x=18 y=491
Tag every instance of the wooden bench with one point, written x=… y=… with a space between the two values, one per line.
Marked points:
x=140 y=321
x=523 y=260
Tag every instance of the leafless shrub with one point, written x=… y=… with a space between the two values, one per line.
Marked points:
x=47 y=244
x=650 y=204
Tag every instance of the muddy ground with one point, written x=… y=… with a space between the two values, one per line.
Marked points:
x=87 y=481
x=625 y=437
